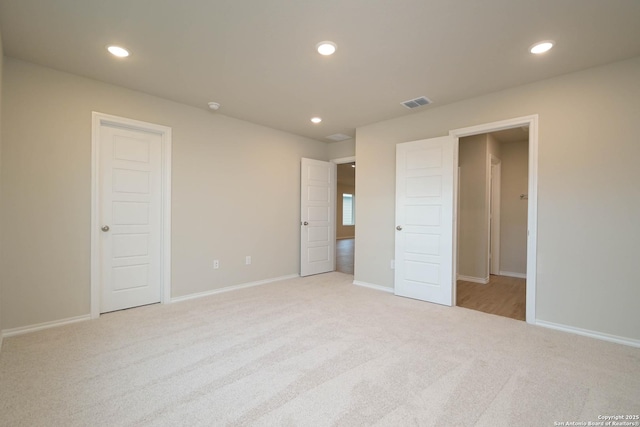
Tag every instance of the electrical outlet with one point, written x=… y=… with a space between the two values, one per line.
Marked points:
x=216 y=263
x=247 y=260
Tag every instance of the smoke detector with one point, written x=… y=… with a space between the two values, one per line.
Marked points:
x=416 y=102
x=214 y=105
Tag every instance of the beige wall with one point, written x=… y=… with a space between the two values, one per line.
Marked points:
x=235 y=191
x=513 y=210
x=473 y=232
x=1 y=256
x=493 y=148
x=338 y=150
x=588 y=192
x=474 y=160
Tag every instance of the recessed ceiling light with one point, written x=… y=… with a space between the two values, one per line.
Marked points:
x=118 y=51
x=316 y=120
x=541 y=47
x=326 y=48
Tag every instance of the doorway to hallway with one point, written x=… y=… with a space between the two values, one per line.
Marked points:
x=503 y=296
x=492 y=222
x=345 y=216
x=344 y=255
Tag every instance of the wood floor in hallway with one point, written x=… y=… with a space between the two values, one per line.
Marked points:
x=344 y=255
x=504 y=296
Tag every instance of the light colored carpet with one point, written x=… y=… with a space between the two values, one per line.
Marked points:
x=313 y=351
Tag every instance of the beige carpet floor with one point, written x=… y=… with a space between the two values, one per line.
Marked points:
x=314 y=351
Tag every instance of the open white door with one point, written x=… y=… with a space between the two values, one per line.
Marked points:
x=317 y=217
x=424 y=220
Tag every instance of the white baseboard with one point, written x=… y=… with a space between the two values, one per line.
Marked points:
x=46 y=325
x=232 y=288
x=40 y=326
x=372 y=286
x=591 y=334
x=512 y=274
x=482 y=281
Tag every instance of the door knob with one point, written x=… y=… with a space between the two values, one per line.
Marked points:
x=105 y=228
x=305 y=223
x=399 y=228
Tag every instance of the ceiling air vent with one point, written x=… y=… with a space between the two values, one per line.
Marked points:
x=338 y=137
x=417 y=102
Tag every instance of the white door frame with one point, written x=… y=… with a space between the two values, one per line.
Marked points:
x=341 y=161
x=495 y=167
x=532 y=214
x=99 y=119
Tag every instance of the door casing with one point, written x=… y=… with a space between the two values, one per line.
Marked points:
x=532 y=211
x=340 y=161
x=495 y=166
x=101 y=119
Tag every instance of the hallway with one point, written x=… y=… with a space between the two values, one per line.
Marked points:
x=344 y=255
x=503 y=295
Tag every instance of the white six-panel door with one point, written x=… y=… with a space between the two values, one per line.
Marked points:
x=424 y=220
x=317 y=217
x=130 y=200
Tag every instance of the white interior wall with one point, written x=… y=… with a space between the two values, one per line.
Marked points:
x=493 y=147
x=588 y=197
x=587 y=176
x=493 y=151
x=473 y=223
x=235 y=192
x=1 y=250
x=342 y=149
x=513 y=211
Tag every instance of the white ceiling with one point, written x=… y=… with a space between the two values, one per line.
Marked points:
x=512 y=135
x=257 y=57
